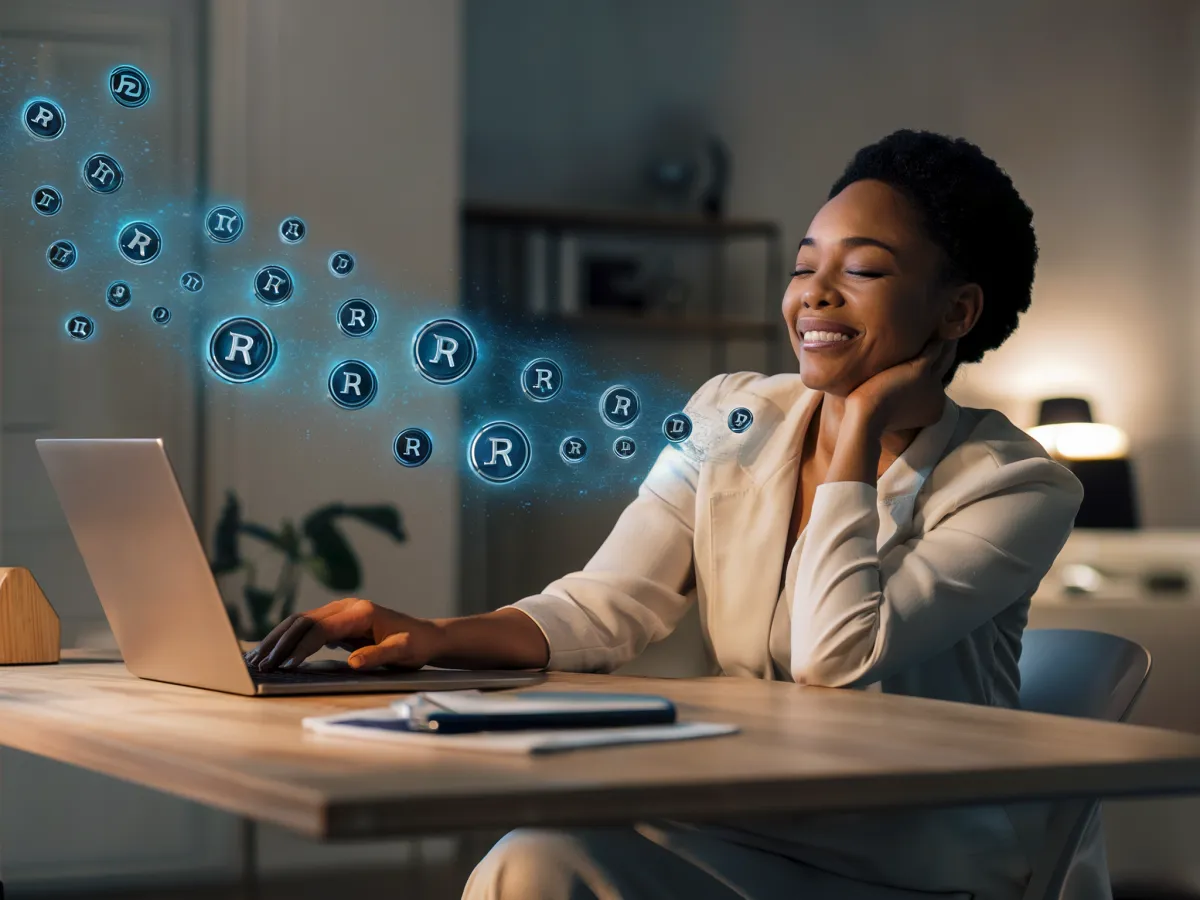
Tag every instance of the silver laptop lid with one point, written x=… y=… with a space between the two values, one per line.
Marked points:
x=129 y=519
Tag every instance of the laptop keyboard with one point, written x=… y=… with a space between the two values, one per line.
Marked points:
x=318 y=671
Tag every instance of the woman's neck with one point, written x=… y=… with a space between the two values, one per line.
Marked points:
x=833 y=410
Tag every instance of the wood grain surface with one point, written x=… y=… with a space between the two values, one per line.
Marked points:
x=29 y=627
x=801 y=750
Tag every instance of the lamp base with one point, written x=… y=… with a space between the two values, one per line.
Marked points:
x=1108 y=493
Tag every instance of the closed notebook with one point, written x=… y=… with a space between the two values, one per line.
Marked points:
x=532 y=722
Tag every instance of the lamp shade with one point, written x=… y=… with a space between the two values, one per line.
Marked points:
x=1063 y=410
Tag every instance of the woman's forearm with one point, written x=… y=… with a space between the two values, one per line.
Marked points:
x=856 y=455
x=502 y=639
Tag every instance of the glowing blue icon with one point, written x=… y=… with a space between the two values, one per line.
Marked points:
x=224 y=224
x=341 y=264
x=102 y=173
x=61 y=255
x=118 y=295
x=140 y=243
x=573 y=449
x=129 y=86
x=44 y=119
x=161 y=315
x=542 y=379
x=81 y=327
x=500 y=452
x=191 y=281
x=292 y=230
x=739 y=419
x=241 y=350
x=357 y=318
x=620 y=406
x=444 y=351
x=47 y=200
x=677 y=427
x=352 y=384
x=412 y=447
x=624 y=448
x=273 y=285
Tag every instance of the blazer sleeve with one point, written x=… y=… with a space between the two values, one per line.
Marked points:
x=858 y=618
x=638 y=585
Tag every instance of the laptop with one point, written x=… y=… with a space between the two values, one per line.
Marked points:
x=129 y=519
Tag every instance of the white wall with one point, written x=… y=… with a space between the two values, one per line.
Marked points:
x=347 y=115
x=1088 y=105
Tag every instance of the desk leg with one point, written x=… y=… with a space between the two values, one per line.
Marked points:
x=248 y=829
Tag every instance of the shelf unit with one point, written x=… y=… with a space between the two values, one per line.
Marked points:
x=497 y=245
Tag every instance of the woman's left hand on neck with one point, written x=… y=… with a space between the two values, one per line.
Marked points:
x=908 y=396
x=904 y=398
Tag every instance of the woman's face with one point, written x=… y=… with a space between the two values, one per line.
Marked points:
x=866 y=292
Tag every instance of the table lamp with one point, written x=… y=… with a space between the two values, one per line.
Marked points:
x=1097 y=454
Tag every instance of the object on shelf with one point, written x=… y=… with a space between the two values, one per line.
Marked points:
x=1096 y=453
x=29 y=626
x=614 y=283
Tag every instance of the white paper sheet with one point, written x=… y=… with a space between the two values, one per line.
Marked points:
x=520 y=742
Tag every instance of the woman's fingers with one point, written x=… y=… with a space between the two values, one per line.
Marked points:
x=268 y=643
x=282 y=649
x=393 y=650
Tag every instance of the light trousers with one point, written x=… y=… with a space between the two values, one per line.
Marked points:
x=646 y=862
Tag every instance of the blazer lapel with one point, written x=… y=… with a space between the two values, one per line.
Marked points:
x=751 y=495
x=742 y=543
x=899 y=486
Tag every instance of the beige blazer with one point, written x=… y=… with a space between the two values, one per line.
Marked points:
x=920 y=585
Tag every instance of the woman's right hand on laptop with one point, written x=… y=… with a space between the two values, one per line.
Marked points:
x=377 y=636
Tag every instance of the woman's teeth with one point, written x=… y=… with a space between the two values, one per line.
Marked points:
x=825 y=336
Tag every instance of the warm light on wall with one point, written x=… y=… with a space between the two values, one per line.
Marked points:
x=1082 y=440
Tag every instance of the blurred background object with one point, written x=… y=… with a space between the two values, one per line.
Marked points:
x=1096 y=453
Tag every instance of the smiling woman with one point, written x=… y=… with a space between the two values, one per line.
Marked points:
x=860 y=531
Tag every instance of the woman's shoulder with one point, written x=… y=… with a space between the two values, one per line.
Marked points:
x=988 y=454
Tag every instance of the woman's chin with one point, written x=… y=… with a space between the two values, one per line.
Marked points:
x=816 y=379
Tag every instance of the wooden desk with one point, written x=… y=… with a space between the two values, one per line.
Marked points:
x=802 y=750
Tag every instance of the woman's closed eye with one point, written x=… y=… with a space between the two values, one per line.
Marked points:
x=858 y=273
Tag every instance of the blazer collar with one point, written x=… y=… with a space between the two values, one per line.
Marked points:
x=780 y=424
x=742 y=543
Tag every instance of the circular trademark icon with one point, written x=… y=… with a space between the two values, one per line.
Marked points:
x=412 y=447
x=620 y=406
x=139 y=243
x=129 y=86
x=103 y=174
x=241 y=350
x=44 y=119
x=499 y=452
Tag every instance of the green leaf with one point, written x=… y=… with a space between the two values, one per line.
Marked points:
x=225 y=536
x=340 y=566
x=289 y=539
x=259 y=603
x=384 y=517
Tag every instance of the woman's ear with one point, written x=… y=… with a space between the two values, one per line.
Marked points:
x=962 y=312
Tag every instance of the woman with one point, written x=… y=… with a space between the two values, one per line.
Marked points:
x=865 y=532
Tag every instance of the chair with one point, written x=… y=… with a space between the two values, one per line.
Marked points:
x=1086 y=674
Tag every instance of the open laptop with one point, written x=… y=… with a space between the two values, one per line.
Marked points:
x=128 y=516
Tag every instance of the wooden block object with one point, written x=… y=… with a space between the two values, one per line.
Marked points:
x=29 y=628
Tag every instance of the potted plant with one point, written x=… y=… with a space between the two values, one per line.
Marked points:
x=317 y=547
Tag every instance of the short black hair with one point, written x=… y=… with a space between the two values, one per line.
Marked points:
x=971 y=210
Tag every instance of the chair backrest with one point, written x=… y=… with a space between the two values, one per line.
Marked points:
x=1086 y=674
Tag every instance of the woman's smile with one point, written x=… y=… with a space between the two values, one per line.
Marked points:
x=818 y=333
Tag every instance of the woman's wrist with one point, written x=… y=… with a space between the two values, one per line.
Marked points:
x=502 y=639
x=856 y=455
